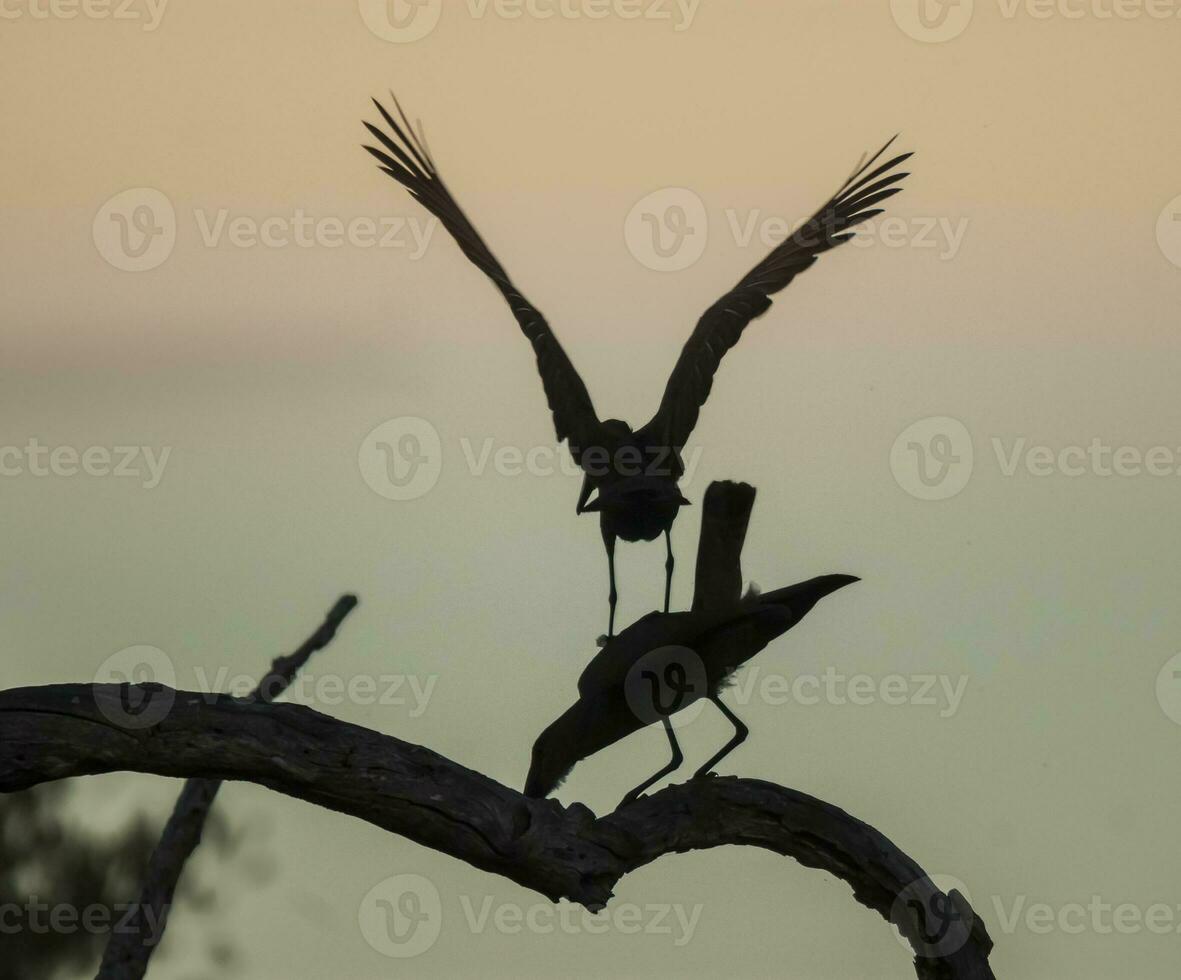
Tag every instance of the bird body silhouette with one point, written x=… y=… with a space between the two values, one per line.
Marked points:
x=636 y=471
x=660 y=665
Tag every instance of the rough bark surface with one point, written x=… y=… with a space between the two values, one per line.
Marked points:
x=67 y=730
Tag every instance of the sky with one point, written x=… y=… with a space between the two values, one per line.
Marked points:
x=222 y=326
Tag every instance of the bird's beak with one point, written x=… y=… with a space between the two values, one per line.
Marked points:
x=802 y=596
x=825 y=585
x=828 y=584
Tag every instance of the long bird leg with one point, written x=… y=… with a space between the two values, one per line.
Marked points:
x=740 y=733
x=668 y=570
x=612 y=596
x=676 y=760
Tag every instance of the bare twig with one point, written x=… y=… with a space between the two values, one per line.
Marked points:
x=130 y=947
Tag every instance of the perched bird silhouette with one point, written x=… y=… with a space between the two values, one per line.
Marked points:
x=636 y=471
x=665 y=662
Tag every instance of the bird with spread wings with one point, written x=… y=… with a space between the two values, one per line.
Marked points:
x=634 y=472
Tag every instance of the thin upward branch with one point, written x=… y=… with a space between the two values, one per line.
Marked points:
x=130 y=947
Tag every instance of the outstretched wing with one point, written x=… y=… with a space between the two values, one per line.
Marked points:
x=722 y=324
x=405 y=156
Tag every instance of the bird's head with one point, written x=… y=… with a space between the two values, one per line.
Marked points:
x=619 y=429
x=555 y=752
x=587 y=726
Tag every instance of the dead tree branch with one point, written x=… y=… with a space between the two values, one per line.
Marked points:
x=66 y=730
